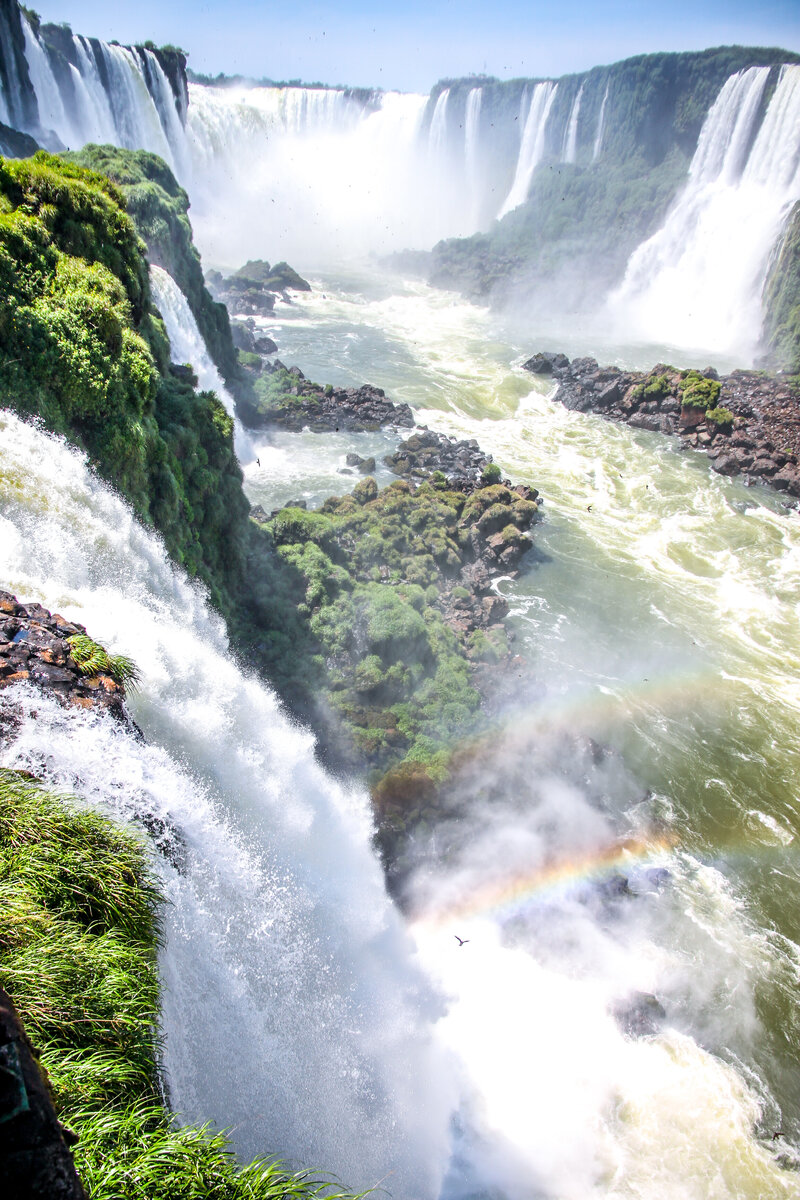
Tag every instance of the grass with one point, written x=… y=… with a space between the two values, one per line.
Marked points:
x=79 y=936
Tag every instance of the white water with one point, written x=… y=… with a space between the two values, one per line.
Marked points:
x=697 y=281
x=293 y=1009
x=187 y=346
x=570 y=151
x=127 y=115
x=532 y=145
x=598 y=141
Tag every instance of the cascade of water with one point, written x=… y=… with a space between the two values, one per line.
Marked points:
x=532 y=145
x=102 y=119
x=136 y=117
x=472 y=121
x=10 y=83
x=54 y=117
x=292 y=1010
x=245 y=145
x=187 y=346
x=685 y=284
x=437 y=134
x=598 y=141
x=569 y=152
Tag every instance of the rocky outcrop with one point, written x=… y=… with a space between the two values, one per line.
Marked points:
x=287 y=399
x=247 y=338
x=35 y=648
x=37 y=1163
x=254 y=288
x=748 y=422
x=463 y=464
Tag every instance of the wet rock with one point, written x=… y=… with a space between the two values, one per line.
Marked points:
x=639 y=1015
x=36 y=1161
x=34 y=649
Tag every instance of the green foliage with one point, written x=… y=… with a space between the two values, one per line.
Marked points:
x=79 y=933
x=92 y=659
x=781 y=330
x=720 y=416
x=697 y=391
x=81 y=349
x=491 y=473
x=159 y=208
x=366 y=574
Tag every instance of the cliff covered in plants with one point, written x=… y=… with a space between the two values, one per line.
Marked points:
x=592 y=201
x=82 y=349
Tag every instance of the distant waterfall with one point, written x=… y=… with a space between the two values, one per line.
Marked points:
x=532 y=144
x=472 y=120
x=437 y=136
x=697 y=282
x=601 y=128
x=570 y=151
x=187 y=346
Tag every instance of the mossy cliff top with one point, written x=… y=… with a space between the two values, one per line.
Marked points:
x=82 y=348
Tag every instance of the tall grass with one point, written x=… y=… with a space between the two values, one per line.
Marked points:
x=79 y=935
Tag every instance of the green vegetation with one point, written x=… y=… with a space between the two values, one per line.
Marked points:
x=654 y=387
x=720 y=416
x=159 y=208
x=92 y=659
x=372 y=573
x=82 y=349
x=79 y=932
x=697 y=391
x=781 y=331
x=276 y=396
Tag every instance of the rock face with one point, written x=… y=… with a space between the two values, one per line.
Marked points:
x=748 y=422
x=294 y=402
x=37 y=1164
x=34 y=648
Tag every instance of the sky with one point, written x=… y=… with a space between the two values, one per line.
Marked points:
x=409 y=46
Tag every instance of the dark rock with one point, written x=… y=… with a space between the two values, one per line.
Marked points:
x=546 y=363
x=37 y=1164
x=640 y=1015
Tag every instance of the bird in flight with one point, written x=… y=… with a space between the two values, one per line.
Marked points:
x=461 y=941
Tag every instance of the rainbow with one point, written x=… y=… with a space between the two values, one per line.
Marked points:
x=506 y=897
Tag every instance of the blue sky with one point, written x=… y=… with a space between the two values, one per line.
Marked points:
x=412 y=44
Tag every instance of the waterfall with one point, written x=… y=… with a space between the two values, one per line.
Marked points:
x=697 y=281
x=472 y=119
x=570 y=149
x=53 y=116
x=598 y=141
x=532 y=145
x=437 y=134
x=187 y=346
x=106 y=94
x=293 y=1010
x=317 y=177
x=11 y=85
